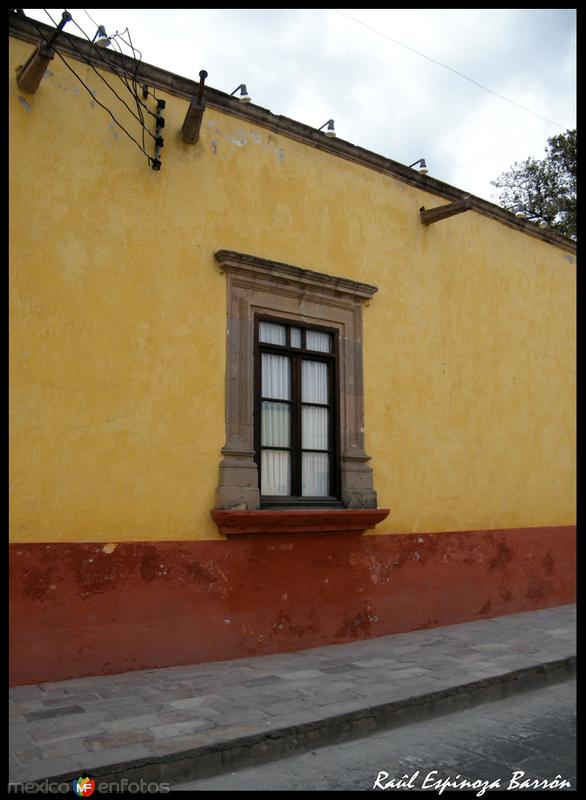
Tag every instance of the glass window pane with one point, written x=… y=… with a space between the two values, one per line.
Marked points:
x=316 y=340
x=314 y=428
x=295 y=337
x=314 y=382
x=275 y=377
x=275 y=472
x=315 y=473
x=271 y=333
x=275 y=425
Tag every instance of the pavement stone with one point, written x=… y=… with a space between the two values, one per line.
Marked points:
x=173 y=729
x=182 y=722
x=81 y=726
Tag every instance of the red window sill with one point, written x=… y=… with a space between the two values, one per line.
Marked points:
x=346 y=520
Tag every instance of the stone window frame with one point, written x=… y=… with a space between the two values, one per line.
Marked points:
x=260 y=286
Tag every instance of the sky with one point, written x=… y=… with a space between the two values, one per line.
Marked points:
x=403 y=83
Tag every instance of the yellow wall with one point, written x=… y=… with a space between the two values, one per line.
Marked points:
x=118 y=318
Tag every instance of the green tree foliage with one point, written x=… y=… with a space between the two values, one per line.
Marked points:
x=545 y=188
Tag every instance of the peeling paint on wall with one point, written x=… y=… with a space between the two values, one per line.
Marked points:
x=73 y=88
x=253 y=597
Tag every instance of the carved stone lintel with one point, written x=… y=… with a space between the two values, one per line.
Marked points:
x=242 y=263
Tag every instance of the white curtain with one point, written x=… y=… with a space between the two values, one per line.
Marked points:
x=275 y=424
x=314 y=428
x=317 y=341
x=295 y=337
x=271 y=333
x=315 y=475
x=314 y=382
x=275 y=473
x=315 y=479
x=276 y=380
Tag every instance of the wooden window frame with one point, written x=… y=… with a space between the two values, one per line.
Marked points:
x=257 y=286
x=297 y=355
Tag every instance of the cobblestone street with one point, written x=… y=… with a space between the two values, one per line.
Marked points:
x=533 y=733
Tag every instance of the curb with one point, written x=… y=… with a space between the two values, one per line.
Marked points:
x=250 y=750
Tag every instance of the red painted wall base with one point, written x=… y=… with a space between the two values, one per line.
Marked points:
x=78 y=609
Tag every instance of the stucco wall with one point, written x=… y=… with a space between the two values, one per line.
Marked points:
x=118 y=325
x=86 y=609
x=117 y=377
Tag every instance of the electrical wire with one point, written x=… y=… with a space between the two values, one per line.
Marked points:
x=122 y=75
x=94 y=98
x=134 y=82
x=90 y=19
x=120 y=36
x=132 y=89
x=78 y=51
x=445 y=66
x=129 y=44
x=117 y=35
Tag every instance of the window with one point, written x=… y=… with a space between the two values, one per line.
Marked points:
x=296 y=449
x=295 y=427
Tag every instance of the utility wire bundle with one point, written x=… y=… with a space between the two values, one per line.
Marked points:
x=129 y=81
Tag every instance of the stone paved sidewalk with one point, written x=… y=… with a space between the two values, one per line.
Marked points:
x=178 y=723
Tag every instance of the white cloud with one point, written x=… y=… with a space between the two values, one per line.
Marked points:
x=313 y=64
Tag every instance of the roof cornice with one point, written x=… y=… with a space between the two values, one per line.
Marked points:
x=22 y=28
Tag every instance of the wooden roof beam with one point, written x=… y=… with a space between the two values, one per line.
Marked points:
x=431 y=215
x=30 y=74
